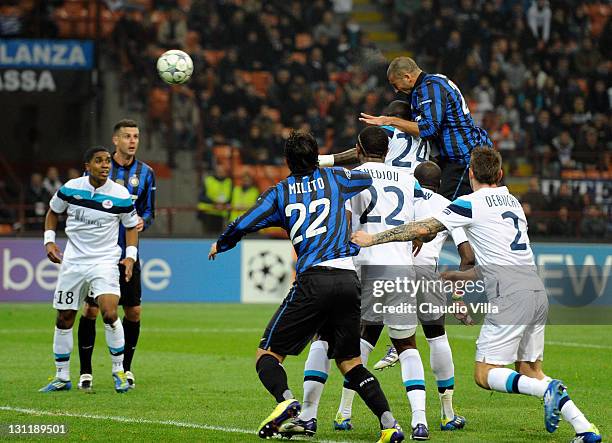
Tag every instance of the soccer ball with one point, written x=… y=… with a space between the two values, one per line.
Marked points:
x=175 y=67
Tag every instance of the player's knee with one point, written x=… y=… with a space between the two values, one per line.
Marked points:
x=433 y=331
x=345 y=365
x=90 y=311
x=132 y=313
x=65 y=319
x=109 y=317
x=403 y=337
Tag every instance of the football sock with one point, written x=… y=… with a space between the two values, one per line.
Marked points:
x=573 y=415
x=413 y=376
x=507 y=380
x=441 y=361
x=87 y=339
x=116 y=344
x=273 y=377
x=348 y=395
x=366 y=385
x=316 y=370
x=132 y=331
x=62 y=347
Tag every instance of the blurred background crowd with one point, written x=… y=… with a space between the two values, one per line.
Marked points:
x=535 y=75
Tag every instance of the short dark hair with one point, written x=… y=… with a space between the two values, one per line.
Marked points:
x=429 y=175
x=374 y=141
x=399 y=108
x=486 y=163
x=125 y=123
x=91 y=152
x=301 y=152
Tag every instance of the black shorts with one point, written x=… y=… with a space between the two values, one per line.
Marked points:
x=131 y=291
x=322 y=300
x=455 y=180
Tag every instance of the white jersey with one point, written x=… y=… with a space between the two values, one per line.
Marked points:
x=93 y=219
x=430 y=252
x=405 y=151
x=394 y=199
x=496 y=228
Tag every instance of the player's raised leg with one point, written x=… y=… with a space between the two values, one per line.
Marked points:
x=86 y=341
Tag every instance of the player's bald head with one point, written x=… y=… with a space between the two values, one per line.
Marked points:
x=429 y=175
x=402 y=65
x=399 y=108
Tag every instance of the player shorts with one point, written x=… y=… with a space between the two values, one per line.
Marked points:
x=323 y=301
x=455 y=180
x=516 y=332
x=131 y=291
x=391 y=305
x=430 y=296
x=76 y=281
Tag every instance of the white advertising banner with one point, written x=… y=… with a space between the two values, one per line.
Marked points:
x=267 y=270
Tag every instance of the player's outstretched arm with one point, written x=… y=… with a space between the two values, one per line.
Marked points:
x=406 y=126
x=53 y=252
x=348 y=157
x=423 y=230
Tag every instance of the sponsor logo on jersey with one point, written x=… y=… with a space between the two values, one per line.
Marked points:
x=107 y=204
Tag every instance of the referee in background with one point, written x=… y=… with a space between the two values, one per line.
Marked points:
x=441 y=116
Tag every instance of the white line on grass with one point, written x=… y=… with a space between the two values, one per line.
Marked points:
x=179 y=424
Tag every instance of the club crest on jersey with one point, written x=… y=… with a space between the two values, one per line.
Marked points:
x=134 y=181
x=107 y=204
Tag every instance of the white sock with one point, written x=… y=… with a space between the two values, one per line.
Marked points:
x=316 y=370
x=413 y=377
x=441 y=361
x=509 y=381
x=62 y=348
x=348 y=395
x=573 y=415
x=116 y=344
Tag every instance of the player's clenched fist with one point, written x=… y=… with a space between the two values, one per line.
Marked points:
x=53 y=253
x=362 y=238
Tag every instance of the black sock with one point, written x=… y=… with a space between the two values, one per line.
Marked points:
x=273 y=377
x=362 y=381
x=87 y=339
x=131 y=329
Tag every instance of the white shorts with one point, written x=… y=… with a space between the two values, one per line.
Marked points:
x=75 y=282
x=516 y=333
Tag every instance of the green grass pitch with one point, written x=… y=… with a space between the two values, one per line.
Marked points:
x=196 y=381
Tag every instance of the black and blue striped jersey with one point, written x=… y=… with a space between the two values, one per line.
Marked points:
x=444 y=118
x=139 y=179
x=311 y=209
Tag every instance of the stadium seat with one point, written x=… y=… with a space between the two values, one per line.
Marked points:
x=213 y=57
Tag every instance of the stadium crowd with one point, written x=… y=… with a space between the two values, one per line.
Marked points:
x=535 y=74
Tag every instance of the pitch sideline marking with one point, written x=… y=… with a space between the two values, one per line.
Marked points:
x=179 y=424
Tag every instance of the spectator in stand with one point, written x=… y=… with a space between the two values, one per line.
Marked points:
x=243 y=196
x=538 y=17
x=534 y=196
x=36 y=199
x=214 y=199
x=72 y=173
x=562 y=225
x=564 y=198
x=172 y=32
x=537 y=224
x=564 y=145
x=52 y=182
x=589 y=154
x=593 y=224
